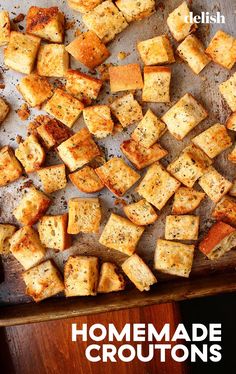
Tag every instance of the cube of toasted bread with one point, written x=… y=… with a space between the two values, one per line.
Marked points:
x=141 y=156
x=192 y=51
x=174 y=258
x=52 y=132
x=221 y=238
x=53 y=178
x=4 y=110
x=214 y=184
x=53 y=232
x=228 y=91
x=139 y=273
x=98 y=120
x=213 y=140
x=232 y=155
x=121 y=234
x=21 y=52
x=127 y=110
x=86 y=180
x=35 y=89
x=5 y=27
x=88 y=49
x=106 y=21
x=222 y=49
x=184 y=227
x=81 y=276
x=232 y=191
x=156 y=87
x=157 y=186
x=191 y=164
x=184 y=116
x=82 y=86
x=32 y=207
x=84 y=215
x=47 y=23
x=78 y=150
x=125 y=78
x=53 y=60
x=43 y=281
x=186 y=200
x=31 y=154
x=141 y=213
x=117 y=176
x=225 y=210
x=26 y=247
x=231 y=122
x=6 y=232
x=64 y=107
x=156 y=51
x=83 y=6
x=149 y=130
x=10 y=168
x=110 y=279
x=136 y=10
x=179 y=23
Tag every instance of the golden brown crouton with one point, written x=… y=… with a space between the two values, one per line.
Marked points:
x=186 y=200
x=53 y=178
x=31 y=154
x=179 y=23
x=5 y=27
x=53 y=60
x=86 y=180
x=84 y=215
x=225 y=210
x=156 y=87
x=10 y=168
x=125 y=78
x=35 y=89
x=53 y=232
x=141 y=213
x=192 y=51
x=231 y=122
x=6 y=232
x=214 y=184
x=127 y=110
x=222 y=49
x=228 y=91
x=156 y=51
x=135 y=9
x=98 y=120
x=83 y=6
x=51 y=131
x=110 y=279
x=4 y=110
x=183 y=227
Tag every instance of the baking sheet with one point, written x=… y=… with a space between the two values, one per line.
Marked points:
x=204 y=87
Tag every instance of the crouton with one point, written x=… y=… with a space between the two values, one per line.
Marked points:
x=134 y=10
x=106 y=21
x=149 y=130
x=31 y=154
x=179 y=23
x=232 y=155
x=225 y=210
x=221 y=238
x=110 y=279
x=228 y=91
x=141 y=156
x=10 y=168
x=32 y=207
x=231 y=122
x=125 y=78
x=121 y=234
x=35 y=89
x=156 y=51
x=5 y=27
x=52 y=132
x=81 y=276
x=43 y=281
x=157 y=186
x=88 y=49
x=98 y=120
x=53 y=178
x=6 y=232
x=184 y=116
x=53 y=232
x=64 y=107
x=117 y=176
x=191 y=164
x=78 y=150
x=156 y=87
x=21 y=52
x=192 y=51
x=186 y=200
x=82 y=86
x=4 y=110
x=26 y=247
x=184 y=227
x=47 y=23
x=53 y=60
x=232 y=191
x=139 y=273
x=222 y=49
x=84 y=215
x=214 y=184
x=213 y=140
x=173 y=258
x=83 y=6
x=86 y=180
x=127 y=110
x=141 y=213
